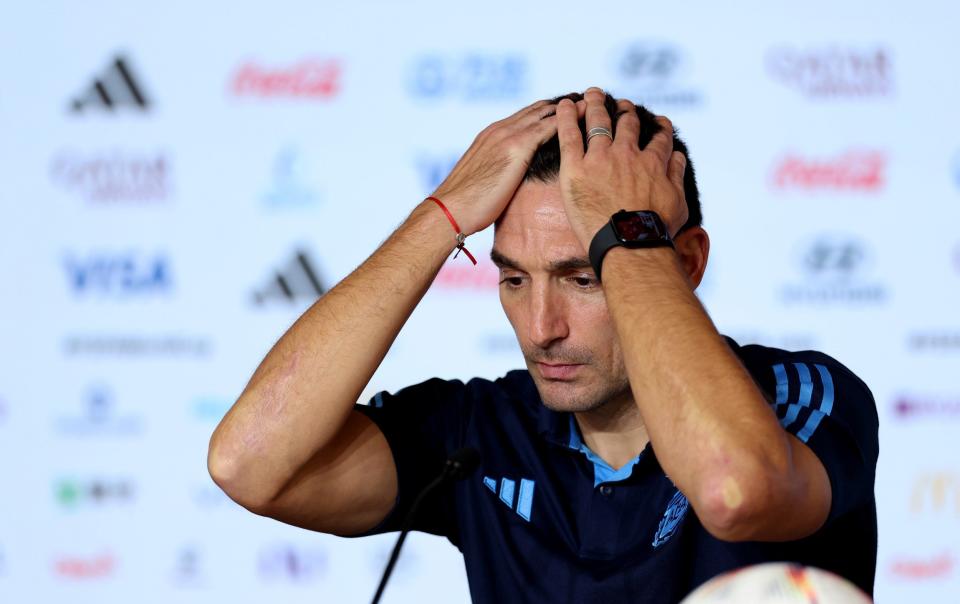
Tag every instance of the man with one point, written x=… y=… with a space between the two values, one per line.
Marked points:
x=640 y=454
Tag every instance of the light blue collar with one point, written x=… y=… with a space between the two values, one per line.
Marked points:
x=602 y=472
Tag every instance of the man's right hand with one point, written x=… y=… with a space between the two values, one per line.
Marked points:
x=483 y=182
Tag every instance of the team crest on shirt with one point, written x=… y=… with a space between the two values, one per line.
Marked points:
x=676 y=510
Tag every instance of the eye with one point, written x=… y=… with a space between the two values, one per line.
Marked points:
x=512 y=281
x=584 y=281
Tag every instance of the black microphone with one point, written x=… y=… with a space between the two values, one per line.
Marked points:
x=461 y=464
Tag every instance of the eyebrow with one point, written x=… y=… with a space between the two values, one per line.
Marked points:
x=566 y=264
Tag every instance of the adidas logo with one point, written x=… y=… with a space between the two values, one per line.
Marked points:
x=115 y=88
x=524 y=499
x=297 y=280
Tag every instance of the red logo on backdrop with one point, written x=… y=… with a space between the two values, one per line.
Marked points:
x=93 y=567
x=309 y=78
x=113 y=176
x=854 y=170
x=459 y=273
x=917 y=569
x=833 y=72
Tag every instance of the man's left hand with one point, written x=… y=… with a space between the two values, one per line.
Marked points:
x=614 y=174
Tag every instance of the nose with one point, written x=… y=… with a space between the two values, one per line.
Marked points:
x=548 y=323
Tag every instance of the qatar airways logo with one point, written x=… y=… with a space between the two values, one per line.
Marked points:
x=854 y=171
x=932 y=407
x=113 y=176
x=310 y=79
x=833 y=72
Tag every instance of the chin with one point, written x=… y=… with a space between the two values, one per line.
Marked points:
x=566 y=397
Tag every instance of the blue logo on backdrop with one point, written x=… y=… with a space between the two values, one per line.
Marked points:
x=469 y=77
x=100 y=417
x=654 y=74
x=291 y=186
x=118 y=274
x=434 y=170
x=676 y=510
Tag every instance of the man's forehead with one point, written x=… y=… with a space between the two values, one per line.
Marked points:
x=533 y=230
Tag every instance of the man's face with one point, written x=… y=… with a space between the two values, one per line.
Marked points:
x=555 y=303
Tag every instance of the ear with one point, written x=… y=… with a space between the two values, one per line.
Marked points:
x=693 y=247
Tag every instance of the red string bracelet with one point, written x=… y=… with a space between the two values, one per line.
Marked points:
x=456 y=227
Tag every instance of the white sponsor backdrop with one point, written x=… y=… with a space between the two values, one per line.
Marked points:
x=179 y=179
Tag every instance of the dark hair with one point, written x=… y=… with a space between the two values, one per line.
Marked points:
x=545 y=165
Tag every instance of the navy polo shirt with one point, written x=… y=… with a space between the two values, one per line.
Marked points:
x=544 y=519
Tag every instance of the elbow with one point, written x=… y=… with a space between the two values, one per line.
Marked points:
x=746 y=501
x=228 y=472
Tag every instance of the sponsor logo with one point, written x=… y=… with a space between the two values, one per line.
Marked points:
x=296 y=281
x=524 y=499
x=936 y=567
x=113 y=176
x=468 y=77
x=210 y=408
x=116 y=88
x=433 y=170
x=99 y=417
x=73 y=494
x=292 y=563
x=97 y=566
x=187 y=568
x=290 y=187
x=934 y=341
x=136 y=345
x=916 y=407
x=655 y=74
x=463 y=275
x=833 y=72
x=837 y=271
x=852 y=171
x=500 y=343
x=210 y=496
x=118 y=274
x=936 y=493
x=310 y=79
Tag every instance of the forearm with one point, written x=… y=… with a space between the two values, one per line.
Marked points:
x=302 y=392
x=713 y=431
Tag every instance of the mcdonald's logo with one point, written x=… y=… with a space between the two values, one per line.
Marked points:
x=936 y=492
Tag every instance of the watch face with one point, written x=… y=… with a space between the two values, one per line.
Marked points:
x=636 y=226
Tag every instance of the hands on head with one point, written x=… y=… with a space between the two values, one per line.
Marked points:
x=607 y=174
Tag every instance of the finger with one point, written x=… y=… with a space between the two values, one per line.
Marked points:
x=568 y=132
x=676 y=169
x=597 y=117
x=628 y=124
x=662 y=142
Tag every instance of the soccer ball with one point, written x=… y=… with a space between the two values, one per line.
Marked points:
x=777 y=583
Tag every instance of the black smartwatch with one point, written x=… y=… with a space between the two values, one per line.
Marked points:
x=631 y=230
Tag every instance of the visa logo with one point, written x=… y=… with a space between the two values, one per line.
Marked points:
x=434 y=170
x=118 y=274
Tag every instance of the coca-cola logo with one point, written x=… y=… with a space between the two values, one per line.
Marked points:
x=854 y=170
x=113 y=176
x=309 y=78
x=460 y=274
x=833 y=72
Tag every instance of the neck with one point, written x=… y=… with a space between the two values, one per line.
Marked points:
x=614 y=431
